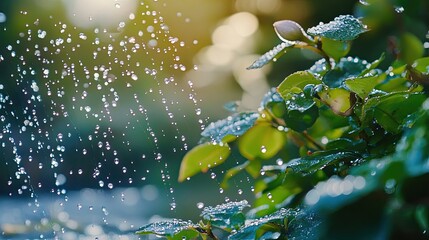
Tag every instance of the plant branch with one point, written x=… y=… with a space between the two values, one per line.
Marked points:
x=312 y=141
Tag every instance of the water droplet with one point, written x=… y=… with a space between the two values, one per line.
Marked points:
x=2 y=17
x=364 y=2
x=117 y=5
x=399 y=9
x=200 y=205
x=263 y=149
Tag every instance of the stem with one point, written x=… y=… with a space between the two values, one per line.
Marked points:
x=312 y=141
x=317 y=49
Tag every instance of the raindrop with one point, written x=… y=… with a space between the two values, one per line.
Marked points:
x=2 y=17
x=399 y=9
x=200 y=205
x=364 y=2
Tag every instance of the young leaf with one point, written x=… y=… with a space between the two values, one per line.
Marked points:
x=336 y=49
x=362 y=86
x=226 y=216
x=288 y=30
x=342 y=28
x=235 y=125
x=339 y=100
x=296 y=82
x=273 y=54
x=262 y=141
x=201 y=158
x=170 y=228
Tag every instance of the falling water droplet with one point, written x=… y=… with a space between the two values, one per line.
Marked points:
x=399 y=9
x=200 y=205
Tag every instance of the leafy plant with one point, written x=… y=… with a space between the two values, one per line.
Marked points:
x=342 y=143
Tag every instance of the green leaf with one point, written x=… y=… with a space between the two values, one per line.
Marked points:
x=227 y=216
x=336 y=49
x=362 y=86
x=373 y=65
x=288 y=30
x=235 y=125
x=342 y=28
x=411 y=48
x=248 y=231
x=273 y=54
x=301 y=112
x=414 y=145
x=262 y=141
x=232 y=172
x=296 y=82
x=271 y=96
x=346 y=68
x=319 y=68
x=201 y=158
x=421 y=65
x=170 y=228
x=320 y=160
x=306 y=225
x=339 y=100
x=390 y=110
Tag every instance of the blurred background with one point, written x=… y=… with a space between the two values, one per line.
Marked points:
x=110 y=94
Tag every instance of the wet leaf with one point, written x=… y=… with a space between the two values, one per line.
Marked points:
x=390 y=110
x=295 y=83
x=306 y=225
x=320 y=160
x=372 y=66
x=301 y=112
x=235 y=125
x=319 y=68
x=227 y=216
x=262 y=141
x=273 y=54
x=339 y=100
x=345 y=69
x=421 y=65
x=201 y=158
x=335 y=49
x=271 y=96
x=362 y=86
x=288 y=30
x=170 y=228
x=342 y=28
x=278 y=219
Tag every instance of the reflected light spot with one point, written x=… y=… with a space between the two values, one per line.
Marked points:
x=226 y=37
x=244 y=23
x=149 y=192
x=218 y=56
